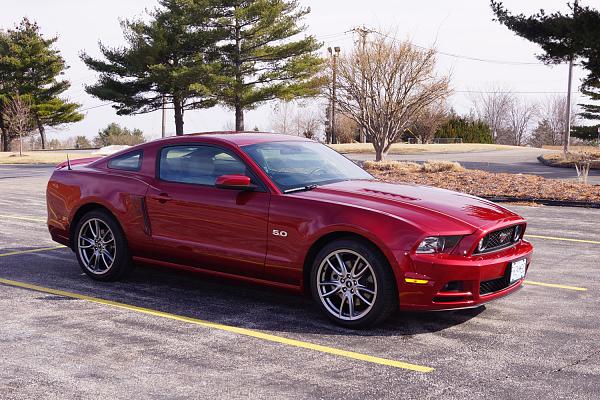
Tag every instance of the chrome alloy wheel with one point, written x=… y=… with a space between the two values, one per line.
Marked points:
x=347 y=285
x=96 y=246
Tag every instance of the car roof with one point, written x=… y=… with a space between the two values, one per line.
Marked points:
x=236 y=138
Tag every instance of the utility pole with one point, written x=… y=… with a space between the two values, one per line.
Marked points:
x=362 y=32
x=568 y=113
x=334 y=56
x=164 y=116
x=567 y=138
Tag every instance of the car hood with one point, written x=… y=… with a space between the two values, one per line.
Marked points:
x=463 y=210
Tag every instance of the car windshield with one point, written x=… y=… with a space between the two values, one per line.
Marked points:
x=303 y=165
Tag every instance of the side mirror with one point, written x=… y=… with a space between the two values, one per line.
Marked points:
x=234 y=182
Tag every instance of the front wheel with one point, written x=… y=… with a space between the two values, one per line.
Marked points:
x=101 y=247
x=353 y=284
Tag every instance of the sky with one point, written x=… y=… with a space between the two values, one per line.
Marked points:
x=457 y=29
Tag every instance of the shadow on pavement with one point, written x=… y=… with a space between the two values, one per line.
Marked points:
x=216 y=300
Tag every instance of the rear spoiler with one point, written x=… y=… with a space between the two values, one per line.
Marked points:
x=78 y=161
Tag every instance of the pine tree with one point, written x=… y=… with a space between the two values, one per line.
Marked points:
x=563 y=38
x=31 y=66
x=164 y=60
x=262 y=59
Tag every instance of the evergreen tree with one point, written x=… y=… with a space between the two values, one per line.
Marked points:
x=589 y=133
x=31 y=66
x=470 y=131
x=115 y=134
x=543 y=134
x=81 y=142
x=164 y=60
x=261 y=59
x=563 y=38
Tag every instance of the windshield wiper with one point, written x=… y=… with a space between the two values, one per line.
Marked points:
x=300 y=189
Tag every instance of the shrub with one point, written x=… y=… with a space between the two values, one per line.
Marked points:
x=441 y=166
x=412 y=167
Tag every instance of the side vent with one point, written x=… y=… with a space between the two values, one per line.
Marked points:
x=138 y=205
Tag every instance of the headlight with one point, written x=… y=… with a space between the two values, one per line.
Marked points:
x=517 y=233
x=438 y=244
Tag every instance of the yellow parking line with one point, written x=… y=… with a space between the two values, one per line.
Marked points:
x=227 y=328
x=555 y=285
x=563 y=239
x=23 y=218
x=14 y=253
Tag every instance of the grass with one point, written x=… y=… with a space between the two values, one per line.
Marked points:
x=39 y=157
x=452 y=176
x=402 y=148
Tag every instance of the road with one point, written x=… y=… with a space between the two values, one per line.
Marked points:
x=517 y=161
x=176 y=335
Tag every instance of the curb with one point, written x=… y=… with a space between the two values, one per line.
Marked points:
x=546 y=202
x=547 y=163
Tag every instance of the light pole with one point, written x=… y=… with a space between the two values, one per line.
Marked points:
x=164 y=116
x=334 y=55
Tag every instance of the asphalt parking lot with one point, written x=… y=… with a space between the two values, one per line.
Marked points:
x=164 y=334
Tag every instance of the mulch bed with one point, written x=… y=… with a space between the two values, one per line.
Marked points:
x=487 y=184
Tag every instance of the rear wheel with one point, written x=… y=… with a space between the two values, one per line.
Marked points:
x=101 y=247
x=353 y=284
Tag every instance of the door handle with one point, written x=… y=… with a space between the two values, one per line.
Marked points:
x=162 y=198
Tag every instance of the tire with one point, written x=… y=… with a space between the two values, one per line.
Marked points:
x=104 y=257
x=370 y=283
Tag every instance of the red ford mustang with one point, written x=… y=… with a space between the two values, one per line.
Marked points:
x=291 y=213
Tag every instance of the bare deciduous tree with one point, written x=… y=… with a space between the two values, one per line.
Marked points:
x=346 y=129
x=296 y=119
x=553 y=110
x=429 y=120
x=17 y=118
x=521 y=115
x=385 y=85
x=492 y=107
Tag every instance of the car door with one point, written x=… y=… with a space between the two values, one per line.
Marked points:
x=197 y=224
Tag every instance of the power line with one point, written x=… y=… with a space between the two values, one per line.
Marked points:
x=97 y=106
x=510 y=91
x=470 y=58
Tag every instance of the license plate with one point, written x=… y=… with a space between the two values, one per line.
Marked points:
x=517 y=270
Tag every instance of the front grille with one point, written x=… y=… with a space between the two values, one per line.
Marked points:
x=500 y=239
x=494 y=285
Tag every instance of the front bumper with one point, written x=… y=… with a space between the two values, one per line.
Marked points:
x=446 y=282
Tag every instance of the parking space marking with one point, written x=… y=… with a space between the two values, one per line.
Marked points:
x=563 y=239
x=14 y=253
x=555 y=285
x=226 y=328
x=23 y=218
x=551 y=285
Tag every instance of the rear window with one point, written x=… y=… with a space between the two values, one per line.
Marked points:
x=127 y=162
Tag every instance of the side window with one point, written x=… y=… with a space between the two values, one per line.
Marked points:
x=127 y=162
x=200 y=165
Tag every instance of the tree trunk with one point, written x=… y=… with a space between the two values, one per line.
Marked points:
x=379 y=154
x=239 y=117
x=42 y=131
x=178 y=116
x=5 y=139
x=239 y=79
